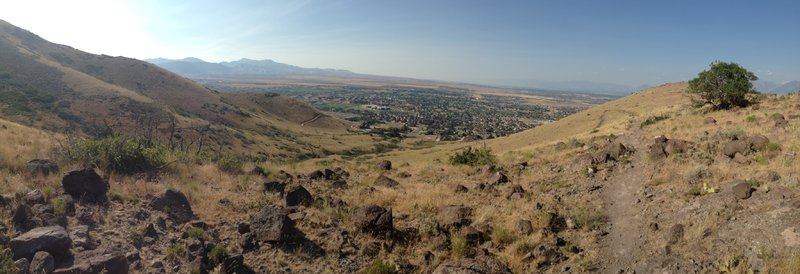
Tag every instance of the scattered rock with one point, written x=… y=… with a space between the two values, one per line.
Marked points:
x=85 y=185
x=482 y=264
x=373 y=219
x=676 y=146
x=52 y=239
x=271 y=224
x=340 y=184
x=298 y=195
x=316 y=175
x=516 y=192
x=80 y=236
x=498 y=178
x=544 y=255
x=274 y=186
x=175 y=204
x=455 y=216
x=780 y=120
x=385 y=165
x=22 y=265
x=23 y=218
x=460 y=189
x=34 y=197
x=740 y=159
x=675 y=234
x=757 y=142
x=386 y=182
x=710 y=121
x=42 y=167
x=730 y=148
x=102 y=260
x=329 y=174
x=773 y=176
x=523 y=227
x=742 y=190
x=42 y=263
x=473 y=236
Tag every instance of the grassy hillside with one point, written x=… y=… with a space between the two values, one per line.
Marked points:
x=62 y=89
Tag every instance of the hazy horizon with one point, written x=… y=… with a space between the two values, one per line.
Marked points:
x=508 y=43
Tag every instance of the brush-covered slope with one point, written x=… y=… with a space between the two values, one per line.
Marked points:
x=63 y=89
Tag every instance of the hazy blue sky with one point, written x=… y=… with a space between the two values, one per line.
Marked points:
x=626 y=42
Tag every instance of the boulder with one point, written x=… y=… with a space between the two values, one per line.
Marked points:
x=523 y=227
x=316 y=175
x=730 y=148
x=498 y=178
x=656 y=150
x=51 y=239
x=473 y=236
x=460 y=189
x=740 y=159
x=298 y=195
x=22 y=265
x=516 y=192
x=613 y=151
x=329 y=174
x=676 y=146
x=34 y=197
x=373 y=219
x=85 y=185
x=101 y=260
x=175 y=204
x=757 y=142
x=271 y=224
x=80 y=236
x=386 y=182
x=42 y=167
x=454 y=216
x=742 y=190
x=42 y=263
x=340 y=184
x=385 y=165
x=481 y=264
x=274 y=186
x=710 y=121
x=780 y=120
x=23 y=218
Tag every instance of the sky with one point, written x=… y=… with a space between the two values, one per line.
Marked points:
x=496 y=42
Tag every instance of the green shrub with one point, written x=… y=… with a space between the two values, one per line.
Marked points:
x=459 y=246
x=502 y=235
x=473 y=157
x=524 y=248
x=589 y=219
x=7 y=261
x=218 y=253
x=750 y=119
x=121 y=154
x=380 y=267
x=196 y=232
x=652 y=120
x=230 y=164
x=723 y=86
x=175 y=253
x=60 y=207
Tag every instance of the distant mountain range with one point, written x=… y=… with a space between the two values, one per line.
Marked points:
x=772 y=87
x=196 y=67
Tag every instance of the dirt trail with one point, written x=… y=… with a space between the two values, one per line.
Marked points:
x=623 y=247
x=311 y=120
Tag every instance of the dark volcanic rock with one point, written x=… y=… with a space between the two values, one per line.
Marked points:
x=34 y=197
x=374 y=219
x=274 y=186
x=175 y=204
x=52 y=239
x=23 y=218
x=385 y=165
x=85 y=185
x=101 y=260
x=498 y=178
x=298 y=195
x=271 y=224
x=42 y=263
x=42 y=167
x=523 y=227
x=481 y=264
x=757 y=142
x=386 y=182
x=316 y=175
x=455 y=216
x=460 y=189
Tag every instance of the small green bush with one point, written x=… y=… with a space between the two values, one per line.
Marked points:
x=459 y=246
x=524 y=248
x=60 y=207
x=652 y=120
x=473 y=157
x=196 y=232
x=380 y=267
x=502 y=235
x=175 y=253
x=230 y=164
x=218 y=253
x=7 y=261
x=590 y=219
x=750 y=119
x=121 y=154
